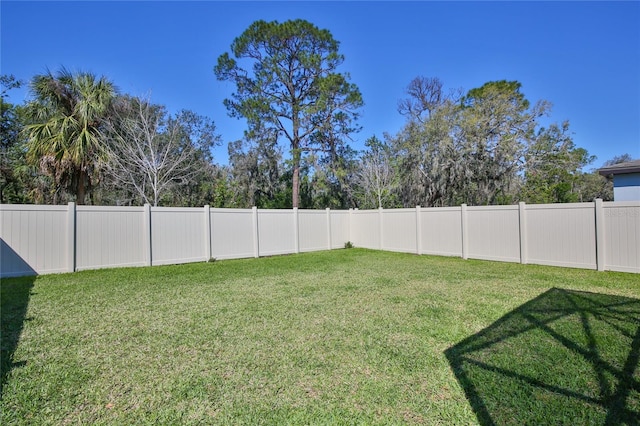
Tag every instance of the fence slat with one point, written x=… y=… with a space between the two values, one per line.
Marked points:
x=256 y=244
x=71 y=237
x=465 y=233
x=147 y=234
x=418 y=231
x=329 y=245
x=600 y=235
x=207 y=232
x=522 y=216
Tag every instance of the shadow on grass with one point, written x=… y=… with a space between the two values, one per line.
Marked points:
x=14 y=299
x=565 y=357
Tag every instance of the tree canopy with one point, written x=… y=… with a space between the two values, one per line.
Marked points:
x=12 y=161
x=152 y=152
x=66 y=135
x=77 y=139
x=288 y=84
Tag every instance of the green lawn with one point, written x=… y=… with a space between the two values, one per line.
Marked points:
x=341 y=337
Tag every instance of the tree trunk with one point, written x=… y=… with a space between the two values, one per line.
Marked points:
x=297 y=154
x=296 y=178
x=81 y=192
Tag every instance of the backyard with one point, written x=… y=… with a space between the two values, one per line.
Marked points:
x=337 y=337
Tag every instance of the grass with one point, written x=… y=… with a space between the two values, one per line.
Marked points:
x=340 y=337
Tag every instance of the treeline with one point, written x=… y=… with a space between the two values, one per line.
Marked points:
x=78 y=139
x=485 y=146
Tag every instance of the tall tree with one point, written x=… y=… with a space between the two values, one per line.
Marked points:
x=12 y=164
x=331 y=179
x=553 y=166
x=496 y=125
x=424 y=96
x=618 y=159
x=256 y=172
x=427 y=154
x=377 y=176
x=292 y=86
x=429 y=158
x=66 y=136
x=152 y=153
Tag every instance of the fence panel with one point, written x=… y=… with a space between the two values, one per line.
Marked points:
x=109 y=237
x=276 y=232
x=339 y=228
x=494 y=233
x=177 y=235
x=561 y=235
x=231 y=233
x=48 y=239
x=365 y=228
x=34 y=240
x=314 y=232
x=622 y=236
x=399 y=230
x=441 y=231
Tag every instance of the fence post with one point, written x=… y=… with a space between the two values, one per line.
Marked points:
x=601 y=257
x=329 y=228
x=147 y=234
x=522 y=215
x=350 y=233
x=296 y=230
x=380 y=228
x=207 y=230
x=256 y=243
x=71 y=237
x=418 y=232
x=465 y=234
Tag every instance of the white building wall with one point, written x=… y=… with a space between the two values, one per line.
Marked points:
x=626 y=187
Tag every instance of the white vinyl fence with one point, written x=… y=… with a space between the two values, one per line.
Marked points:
x=38 y=239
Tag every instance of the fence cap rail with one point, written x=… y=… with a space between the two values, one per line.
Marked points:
x=492 y=208
x=177 y=209
x=230 y=210
x=391 y=211
x=280 y=211
x=34 y=207
x=133 y=209
x=564 y=206
x=616 y=204
x=314 y=211
x=439 y=209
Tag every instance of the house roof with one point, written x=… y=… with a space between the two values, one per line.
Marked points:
x=621 y=168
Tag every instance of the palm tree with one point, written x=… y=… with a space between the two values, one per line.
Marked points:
x=67 y=116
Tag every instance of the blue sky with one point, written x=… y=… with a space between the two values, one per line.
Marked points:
x=583 y=57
